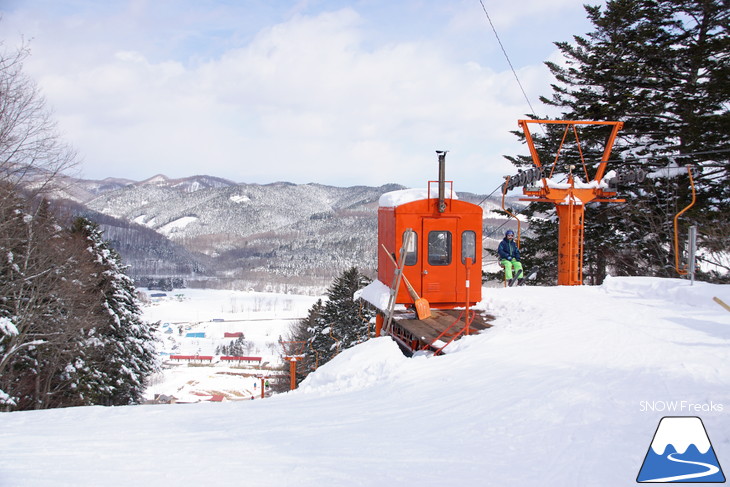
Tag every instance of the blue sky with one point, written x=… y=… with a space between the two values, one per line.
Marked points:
x=333 y=92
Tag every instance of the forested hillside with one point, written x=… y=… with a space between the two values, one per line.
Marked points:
x=211 y=232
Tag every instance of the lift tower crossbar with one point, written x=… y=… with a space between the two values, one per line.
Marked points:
x=570 y=199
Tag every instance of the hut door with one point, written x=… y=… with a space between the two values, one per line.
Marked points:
x=439 y=262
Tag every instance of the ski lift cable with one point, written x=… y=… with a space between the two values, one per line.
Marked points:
x=490 y=195
x=514 y=72
x=503 y=224
x=672 y=156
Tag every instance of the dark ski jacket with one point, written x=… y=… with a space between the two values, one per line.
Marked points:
x=508 y=249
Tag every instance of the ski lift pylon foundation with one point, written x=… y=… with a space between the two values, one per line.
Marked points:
x=570 y=198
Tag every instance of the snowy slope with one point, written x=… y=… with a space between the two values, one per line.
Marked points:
x=555 y=394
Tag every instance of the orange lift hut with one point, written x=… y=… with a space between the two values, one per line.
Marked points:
x=447 y=239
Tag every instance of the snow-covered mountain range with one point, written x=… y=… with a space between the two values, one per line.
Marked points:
x=208 y=228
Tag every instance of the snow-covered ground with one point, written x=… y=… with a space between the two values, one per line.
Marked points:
x=194 y=322
x=567 y=389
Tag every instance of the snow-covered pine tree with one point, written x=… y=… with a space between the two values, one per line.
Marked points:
x=119 y=353
x=660 y=66
x=346 y=321
x=330 y=327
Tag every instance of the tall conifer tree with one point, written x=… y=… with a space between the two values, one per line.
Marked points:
x=661 y=67
x=120 y=348
x=339 y=323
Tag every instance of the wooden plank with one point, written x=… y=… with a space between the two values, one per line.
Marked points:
x=420 y=330
x=429 y=329
x=447 y=319
x=443 y=319
x=480 y=319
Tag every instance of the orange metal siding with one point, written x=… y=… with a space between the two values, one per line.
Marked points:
x=443 y=286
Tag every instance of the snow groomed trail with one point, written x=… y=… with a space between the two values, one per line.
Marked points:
x=554 y=394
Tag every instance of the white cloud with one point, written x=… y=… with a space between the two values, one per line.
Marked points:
x=310 y=98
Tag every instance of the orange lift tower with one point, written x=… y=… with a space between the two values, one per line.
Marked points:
x=293 y=352
x=570 y=198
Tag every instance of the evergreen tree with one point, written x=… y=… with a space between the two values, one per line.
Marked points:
x=338 y=323
x=347 y=319
x=661 y=67
x=120 y=349
x=70 y=332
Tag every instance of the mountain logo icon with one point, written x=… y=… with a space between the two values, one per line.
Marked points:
x=681 y=452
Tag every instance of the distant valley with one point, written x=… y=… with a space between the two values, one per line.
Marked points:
x=211 y=232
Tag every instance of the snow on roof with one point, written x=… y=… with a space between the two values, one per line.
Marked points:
x=403 y=196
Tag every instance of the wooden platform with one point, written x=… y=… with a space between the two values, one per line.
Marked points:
x=414 y=334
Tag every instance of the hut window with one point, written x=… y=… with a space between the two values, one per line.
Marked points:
x=412 y=250
x=468 y=246
x=439 y=247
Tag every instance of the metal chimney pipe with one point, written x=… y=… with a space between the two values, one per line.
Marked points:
x=442 y=180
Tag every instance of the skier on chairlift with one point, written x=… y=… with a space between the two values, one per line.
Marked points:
x=509 y=255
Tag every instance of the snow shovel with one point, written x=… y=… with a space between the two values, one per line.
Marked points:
x=423 y=308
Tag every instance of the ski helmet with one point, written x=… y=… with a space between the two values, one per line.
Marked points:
x=509 y=232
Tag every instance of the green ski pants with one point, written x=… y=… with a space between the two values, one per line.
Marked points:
x=509 y=265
